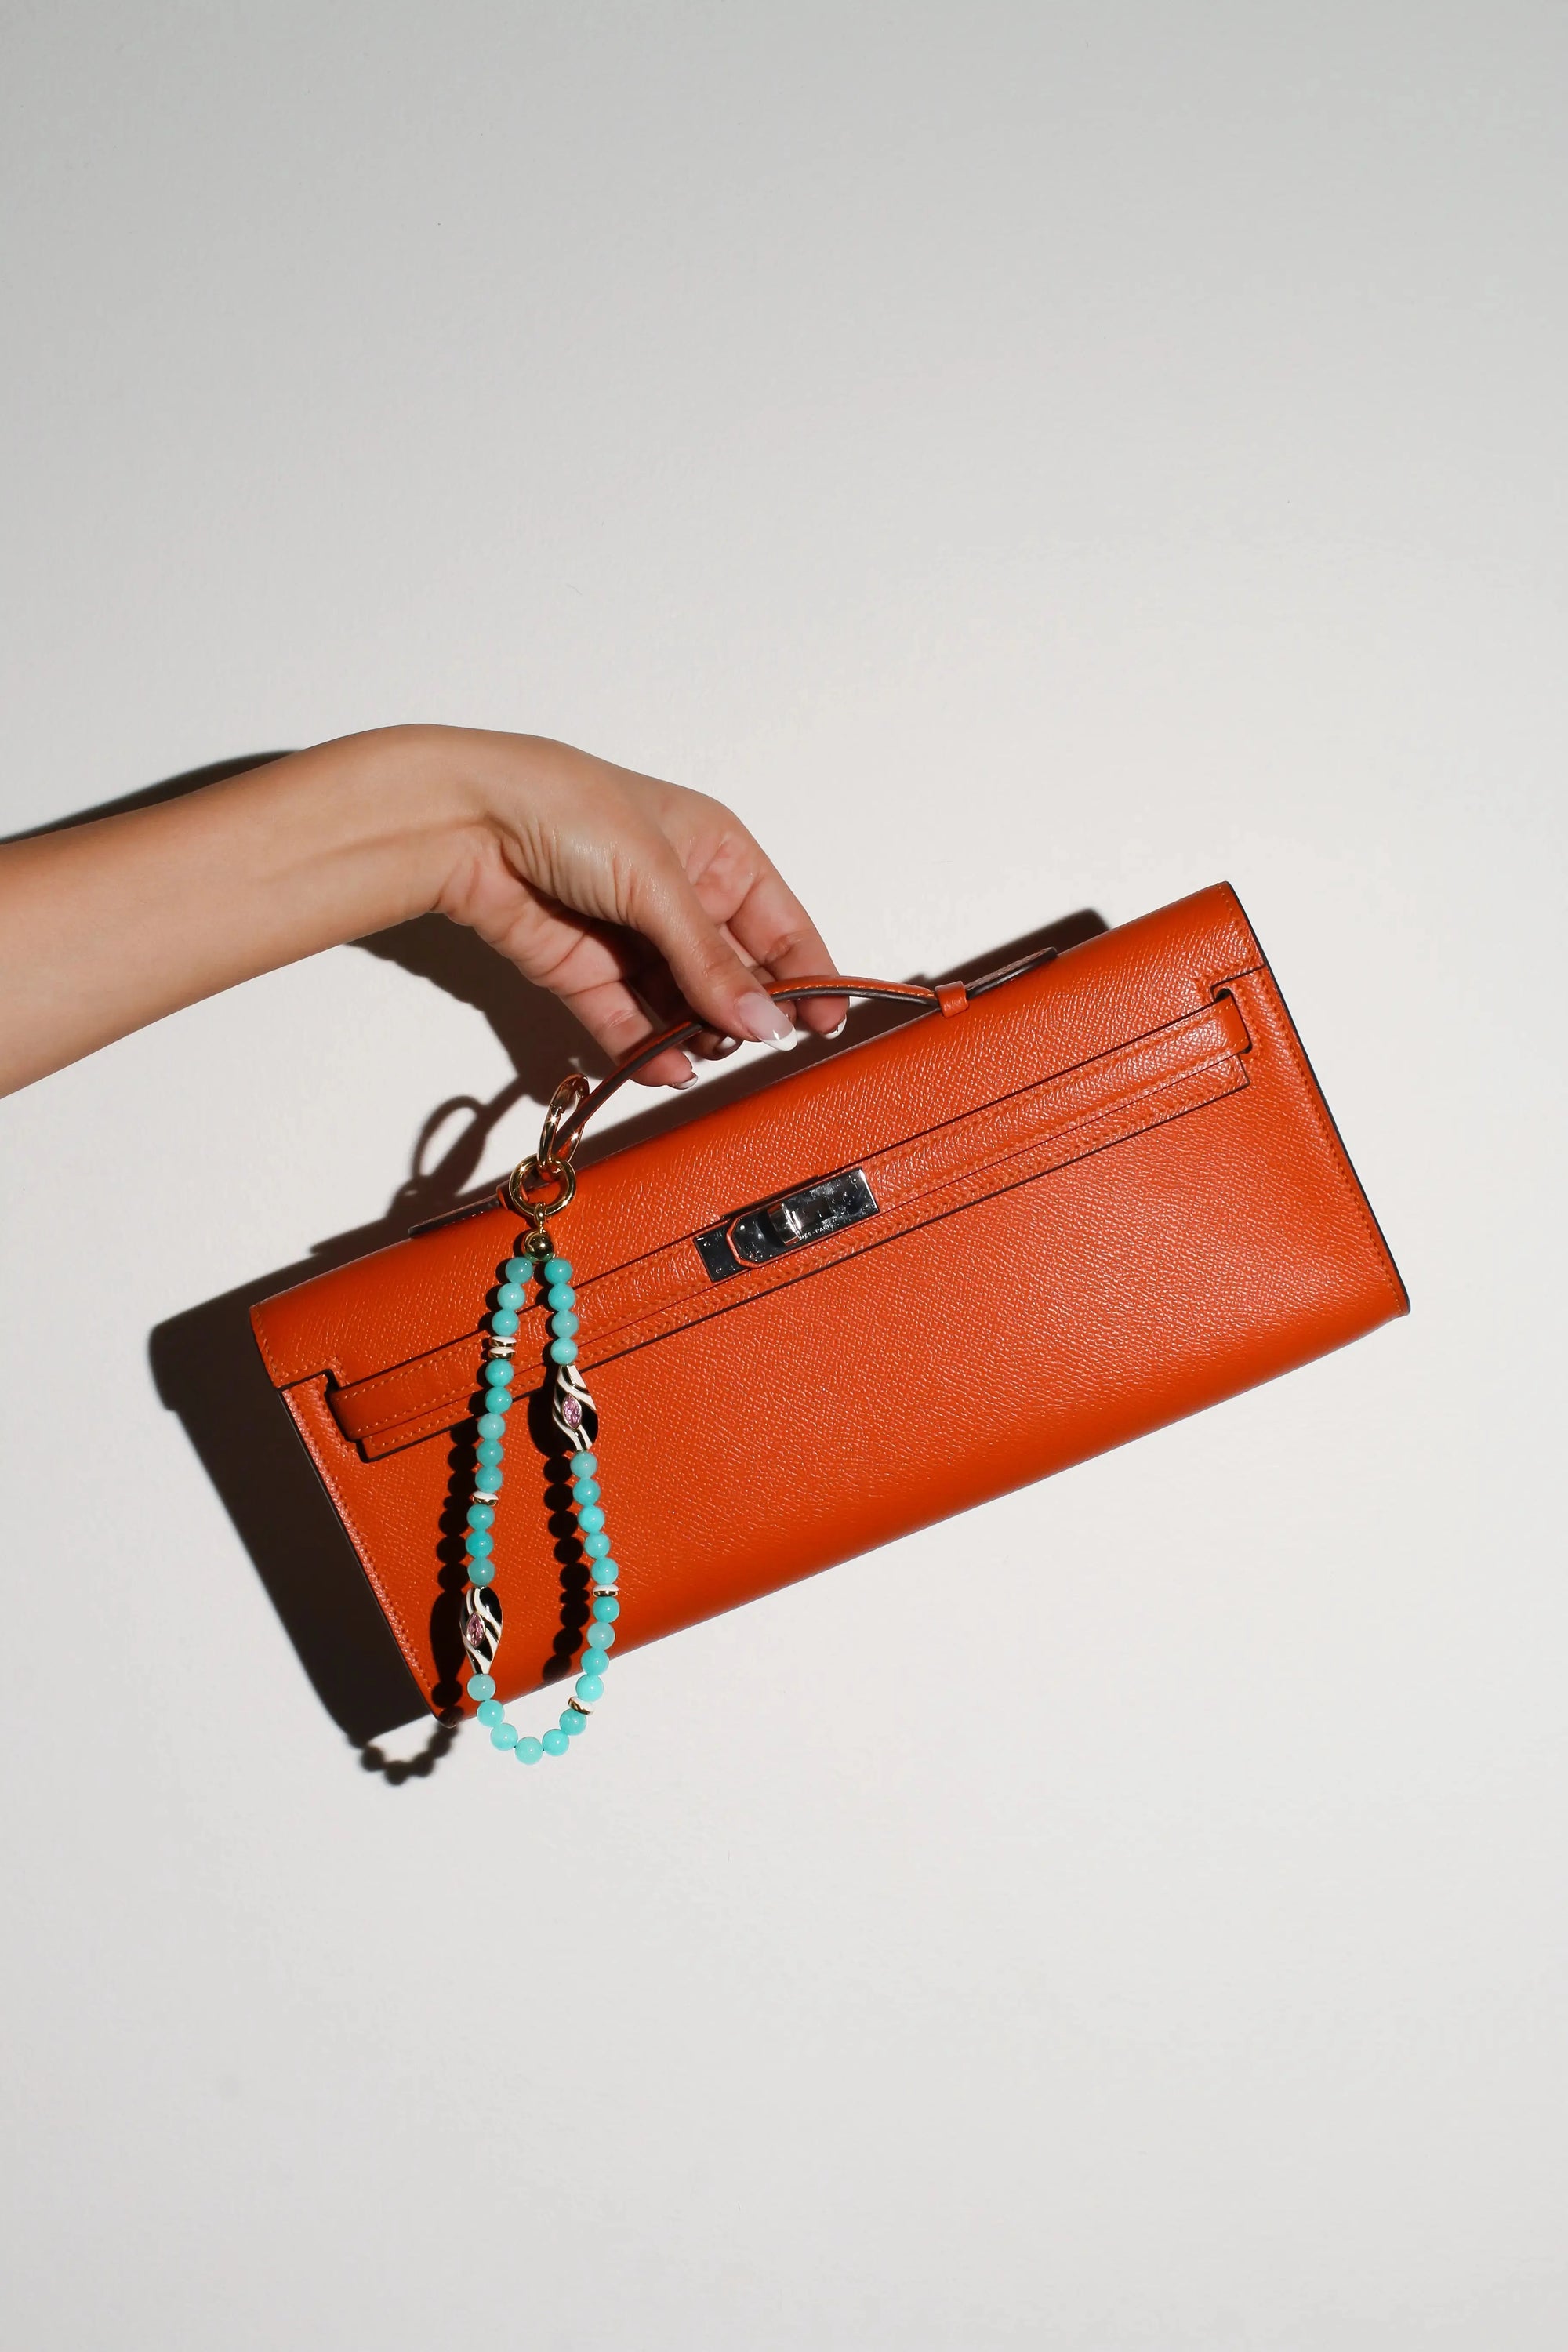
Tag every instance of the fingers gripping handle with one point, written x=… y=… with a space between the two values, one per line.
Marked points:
x=563 y=1126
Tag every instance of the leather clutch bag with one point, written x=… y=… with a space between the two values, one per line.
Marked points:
x=1052 y=1211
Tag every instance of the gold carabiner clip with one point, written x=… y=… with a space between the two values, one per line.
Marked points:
x=573 y=1089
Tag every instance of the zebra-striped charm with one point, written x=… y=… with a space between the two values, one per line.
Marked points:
x=572 y=1410
x=481 y=1625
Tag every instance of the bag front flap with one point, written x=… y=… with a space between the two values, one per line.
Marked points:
x=1117 y=1033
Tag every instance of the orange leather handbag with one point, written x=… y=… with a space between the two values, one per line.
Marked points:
x=1116 y=1157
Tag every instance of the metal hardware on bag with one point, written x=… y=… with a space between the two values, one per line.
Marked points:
x=545 y=1166
x=525 y=1176
x=572 y=1090
x=773 y=1228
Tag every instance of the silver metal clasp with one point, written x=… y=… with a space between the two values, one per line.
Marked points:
x=773 y=1228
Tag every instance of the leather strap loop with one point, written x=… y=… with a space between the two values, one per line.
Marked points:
x=950 y=997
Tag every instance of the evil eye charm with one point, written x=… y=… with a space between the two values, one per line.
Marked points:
x=481 y=1625
x=572 y=1410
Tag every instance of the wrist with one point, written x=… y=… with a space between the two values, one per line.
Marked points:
x=405 y=802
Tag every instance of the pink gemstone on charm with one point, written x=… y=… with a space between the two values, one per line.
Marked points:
x=571 y=1411
x=474 y=1631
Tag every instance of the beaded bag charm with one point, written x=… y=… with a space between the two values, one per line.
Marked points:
x=572 y=1415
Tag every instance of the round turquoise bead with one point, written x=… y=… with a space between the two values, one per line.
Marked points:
x=564 y=1325
x=596 y=1546
x=498 y=1373
x=487 y=1478
x=560 y=1294
x=587 y=1491
x=498 y=1400
x=585 y=1465
x=528 y=1750
x=490 y=1710
x=606 y=1571
x=480 y=1516
x=563 y=1352
x=555 y=1743
x=481 y=1541
x=492 y=1424
x=589 y=1688
x=590 y=1518
x=557 y=1269
x=512 y=1294
x=606 y=1609
x=600 y=1635
x=491 y=1451
x=572 y=1722
x=503 y=1323
x=481 y=1571
x=503 y=1735
x=481 y=1686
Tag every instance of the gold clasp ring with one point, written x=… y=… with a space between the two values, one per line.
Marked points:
x=532 y=1173
x=545 y=1166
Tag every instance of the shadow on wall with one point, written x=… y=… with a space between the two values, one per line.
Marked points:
x=205 y=1362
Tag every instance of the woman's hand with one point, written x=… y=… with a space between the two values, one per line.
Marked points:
x=626 y=896
x=631 y=899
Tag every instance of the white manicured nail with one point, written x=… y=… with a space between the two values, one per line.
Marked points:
x=768 y=1022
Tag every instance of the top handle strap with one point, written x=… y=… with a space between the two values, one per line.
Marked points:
x=545 y=1182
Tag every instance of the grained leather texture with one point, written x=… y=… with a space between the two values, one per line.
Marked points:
x=1118 y=1161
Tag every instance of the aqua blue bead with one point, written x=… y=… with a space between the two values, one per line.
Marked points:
x=606 y=1609
x=489 y=1478
x=498 y=1373
x=480 y=1516
x=490 y=1710
x=503 y=1735
x=590 y=1518
x=563 y=1352
x=587 y=1491
x=600 y=1635
x=528 y=1750
x=492 y=1424
x=491 y=1451
x=517 y=1269
x=584 y=1466
x=557 y=1269
x=596 y=1546
x=503 y=1323
x=555 y=1743
x=498 y=1400
x=560 y=1294
x=481 y=1686
x=512 y=1294
x=481 y=1572
x=481 y=1541
x=606 y=1571
x=589 y=1688
x=564 y=1325
x=572 y=1722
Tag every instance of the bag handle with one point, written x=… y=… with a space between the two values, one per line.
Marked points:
x=575 y=1102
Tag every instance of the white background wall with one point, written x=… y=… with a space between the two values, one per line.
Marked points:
x=1025 y=457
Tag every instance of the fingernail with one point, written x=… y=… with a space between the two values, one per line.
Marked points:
x=839 y=1027
x=723 y=1045
x=768 y=1022
x=688 y=1080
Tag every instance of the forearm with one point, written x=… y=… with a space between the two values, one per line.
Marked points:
x=108 y=926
